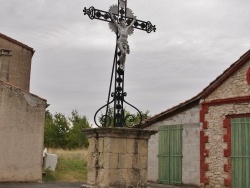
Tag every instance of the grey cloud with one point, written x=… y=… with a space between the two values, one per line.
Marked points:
x=195 y=41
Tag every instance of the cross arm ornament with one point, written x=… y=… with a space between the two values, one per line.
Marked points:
x=105 y=16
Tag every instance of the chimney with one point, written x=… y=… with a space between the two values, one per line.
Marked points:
x=5 y=56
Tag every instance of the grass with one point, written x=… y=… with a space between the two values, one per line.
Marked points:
x=71 y=166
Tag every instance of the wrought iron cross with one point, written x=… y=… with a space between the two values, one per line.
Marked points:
x=122 y=21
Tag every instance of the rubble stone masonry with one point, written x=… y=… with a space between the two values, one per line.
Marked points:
x=235 y=86
x=231 y=98
x=217 y=145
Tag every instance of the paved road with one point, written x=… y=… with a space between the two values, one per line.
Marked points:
x=66 y=185
x=40 y=185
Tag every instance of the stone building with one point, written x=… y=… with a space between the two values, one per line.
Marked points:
x=205 y=141
x=22 y=115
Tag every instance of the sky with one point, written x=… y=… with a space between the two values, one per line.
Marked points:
x=195 y=41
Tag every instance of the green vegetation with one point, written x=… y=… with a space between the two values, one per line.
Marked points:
x=62 y=132
x=71 y=166
x=69 y=143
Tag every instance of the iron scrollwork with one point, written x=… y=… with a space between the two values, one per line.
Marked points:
x=105 y=16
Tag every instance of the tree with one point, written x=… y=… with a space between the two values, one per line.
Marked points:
x=62 y=132
x=56 y=130
x=77 y=138
x=49 y=130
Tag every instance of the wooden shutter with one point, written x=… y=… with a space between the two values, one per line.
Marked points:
x=240 y=152
x=170 y=154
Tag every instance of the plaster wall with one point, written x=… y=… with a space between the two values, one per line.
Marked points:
x=190 y=150
x=22 y=117
x=20 y=64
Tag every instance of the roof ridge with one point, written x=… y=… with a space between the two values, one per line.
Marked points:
x=17 y=42
x=8 y=83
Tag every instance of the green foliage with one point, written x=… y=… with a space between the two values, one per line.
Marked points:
x=62 y=132
x=76 y=138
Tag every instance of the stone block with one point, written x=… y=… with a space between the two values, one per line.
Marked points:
x=143 y=177
x=101 y=144
x=118 y=178
x=92 y=159
x=118 y=145
x=143 y=146
x=136 y=178
x=140 y=161
x=101 y=161
x=125 y=161
x=92 y=144
x=107 y=147
x=111 y=160
x=91 y=176
x=102 y=178
x=114 y=145
x=130 y=145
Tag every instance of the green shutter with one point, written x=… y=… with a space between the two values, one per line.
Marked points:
x=170 y=154
x=240 y=152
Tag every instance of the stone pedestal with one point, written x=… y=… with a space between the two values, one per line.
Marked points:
x=117 y=157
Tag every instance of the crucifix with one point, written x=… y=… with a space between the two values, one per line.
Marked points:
x=123 y=22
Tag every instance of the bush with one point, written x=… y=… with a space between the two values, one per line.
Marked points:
x=62 y=132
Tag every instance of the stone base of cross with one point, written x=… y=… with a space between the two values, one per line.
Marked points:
x=123 y=22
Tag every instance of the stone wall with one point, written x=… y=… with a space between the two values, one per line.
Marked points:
x=117 y=157
x=235 y=86
x=191 y=146
x=22 y=117
x=216 y=145
x=230 y=98
x=20 y=65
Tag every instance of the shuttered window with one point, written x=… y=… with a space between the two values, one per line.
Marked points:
x=170 y=154
x=240 y=152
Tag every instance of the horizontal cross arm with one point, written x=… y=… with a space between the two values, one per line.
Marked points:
x=105 y=16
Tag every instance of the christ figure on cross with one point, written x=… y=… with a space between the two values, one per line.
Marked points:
x=122 y=42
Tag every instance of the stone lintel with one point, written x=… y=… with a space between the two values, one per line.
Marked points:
x=119 y=133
